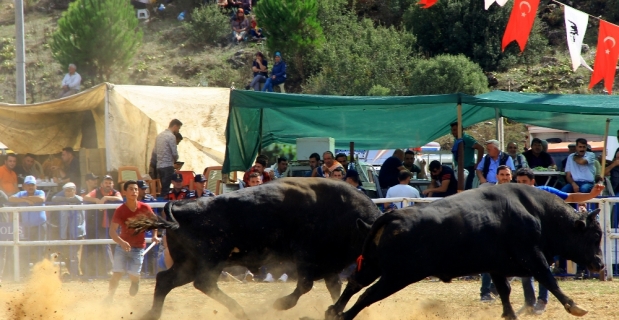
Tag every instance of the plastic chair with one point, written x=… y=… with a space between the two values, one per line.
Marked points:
x=379 y=190
x=154 y=187
x=188 y=177
x=212 y=174
x=126 y=173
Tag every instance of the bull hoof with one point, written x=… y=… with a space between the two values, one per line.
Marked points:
x=285 y=303
x=575 y=310
x=333 y=314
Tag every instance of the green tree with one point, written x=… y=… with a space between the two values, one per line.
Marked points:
x=358 y=57
x=292 y=27
x=208 y=25
x=100 y=36
x=463 y=26
x=448 y=74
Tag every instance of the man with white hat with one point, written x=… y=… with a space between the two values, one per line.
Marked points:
x=33 y=222
x=72 y=225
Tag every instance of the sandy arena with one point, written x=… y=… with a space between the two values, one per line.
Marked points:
x=45 y=297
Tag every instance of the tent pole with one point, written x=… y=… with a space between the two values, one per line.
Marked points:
x=107 y=129
x=499 y=128
x=603 y=275
x=352 y=154
x=260 y=132
x=460 y=152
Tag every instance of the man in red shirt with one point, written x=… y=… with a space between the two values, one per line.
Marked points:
x=258 y=167
x=129 y=253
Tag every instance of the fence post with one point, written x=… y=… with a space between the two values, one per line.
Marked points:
x=405 y=203
x=608 y=253
x=16 y=246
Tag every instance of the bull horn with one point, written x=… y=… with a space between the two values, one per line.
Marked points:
x=575 y=310
x=593 y=214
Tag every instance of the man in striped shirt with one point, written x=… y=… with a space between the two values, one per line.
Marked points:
x=167 y=154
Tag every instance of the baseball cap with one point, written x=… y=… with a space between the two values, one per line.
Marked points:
x=91 y=176
x=199 y=178
x=69 y=185
x=142 y=184
x=30 y=180
x=108 y=177
x=177 y=177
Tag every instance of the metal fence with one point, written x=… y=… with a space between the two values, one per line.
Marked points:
x=609 y=220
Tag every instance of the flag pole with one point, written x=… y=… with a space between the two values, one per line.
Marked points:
x=604 y=150
x=461 y=185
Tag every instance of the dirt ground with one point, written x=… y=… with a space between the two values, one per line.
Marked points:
x=43 y=296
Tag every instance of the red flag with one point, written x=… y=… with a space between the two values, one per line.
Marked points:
x=427 y=3
x=520 y=23
x=606 y=57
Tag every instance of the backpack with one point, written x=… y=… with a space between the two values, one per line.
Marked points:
x=502 y=161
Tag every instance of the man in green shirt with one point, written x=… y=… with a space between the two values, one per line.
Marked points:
x=470 y=145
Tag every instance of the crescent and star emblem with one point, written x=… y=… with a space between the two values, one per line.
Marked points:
x=526 y=4
x=613 y=41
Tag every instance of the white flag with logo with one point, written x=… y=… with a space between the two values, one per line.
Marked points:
x=488 y=3
x=575 y=27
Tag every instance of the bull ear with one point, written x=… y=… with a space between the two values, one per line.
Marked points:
x=593 y=214
x=363 y=227
x=580 y=224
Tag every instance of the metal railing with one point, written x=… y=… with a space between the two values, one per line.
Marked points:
x=609 y=244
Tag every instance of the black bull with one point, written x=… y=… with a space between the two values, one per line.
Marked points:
x=309 y=221
x=507 y=230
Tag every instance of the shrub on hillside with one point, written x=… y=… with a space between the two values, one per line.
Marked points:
x=358 y=56
x=208 y=25
x=100 y=36
x=448 y=74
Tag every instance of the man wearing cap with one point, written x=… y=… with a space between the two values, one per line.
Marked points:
x=199 y=183
x=403 y=190
x=98 y=223
x=92 y=182
x=178 y=192
x=258 y=167
x=72 y=226
x=487 y=168
x=167 y=154
x=142 y=195
x=32 y=222
x=444 y=182
x=8 y=177
x=278 y=74
x=352 y=178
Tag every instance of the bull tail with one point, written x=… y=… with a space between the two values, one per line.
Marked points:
x=143 y=223
x=374 y=234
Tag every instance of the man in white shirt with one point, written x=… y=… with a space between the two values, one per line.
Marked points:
x=70 y=83
x=403 y=190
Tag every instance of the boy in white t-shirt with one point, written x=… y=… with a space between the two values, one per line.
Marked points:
x=403 y=190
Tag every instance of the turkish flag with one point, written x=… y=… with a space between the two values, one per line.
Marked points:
x=427 y=3
x=520 y=23
x=606 y=57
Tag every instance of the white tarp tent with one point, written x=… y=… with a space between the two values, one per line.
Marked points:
x=124 y=120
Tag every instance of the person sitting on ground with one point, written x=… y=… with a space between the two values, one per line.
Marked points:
x=580 y=169
x=258 y=167
x=27 y=167
x=390 y=170
x=329 y=165
x=444 y=182
x=487 y=168
x=279 y=169
x=178 y=192
x=278 y=74
x=71 y=82
x=314 y=162
x=142 y=195
x=255 y=179
x=240 y=26
x=402 y=189
x=255 y=32
x=409 y=164
x=343 y=160
x=337 y=174
x=352 y=178
x=518 y=158
x=129 y=253
x=260 y=68
x=199 y=183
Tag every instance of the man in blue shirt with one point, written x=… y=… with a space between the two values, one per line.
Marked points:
x=487 y=168
x=33 y=222
x=579 y=169
x=526 y=176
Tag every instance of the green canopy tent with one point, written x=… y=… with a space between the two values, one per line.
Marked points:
x=257 y=118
